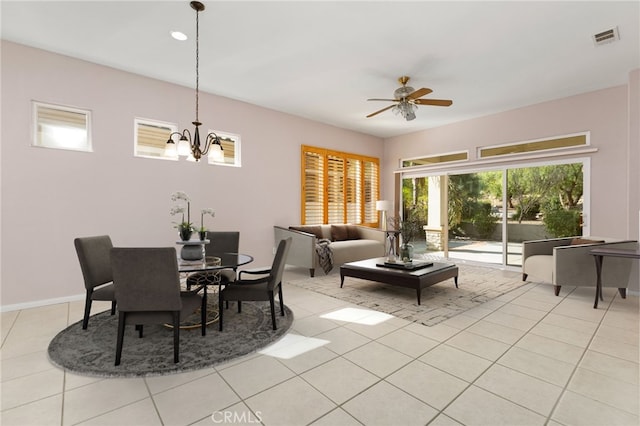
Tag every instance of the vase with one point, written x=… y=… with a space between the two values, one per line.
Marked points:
x=185 y=234
x=203 y=235
x=406 y=252
x=192 y=251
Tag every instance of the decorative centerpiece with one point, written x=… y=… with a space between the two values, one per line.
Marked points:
x=185 y=227
x=410 y=227
x=202 y=231
x=191 y=249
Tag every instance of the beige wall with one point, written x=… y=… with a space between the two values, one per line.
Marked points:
x=48 y=197
x=51 y=196
x=611 y=116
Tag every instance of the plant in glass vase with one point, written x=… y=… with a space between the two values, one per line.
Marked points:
x=410 y=228
x=185 y=227
x=202 y=231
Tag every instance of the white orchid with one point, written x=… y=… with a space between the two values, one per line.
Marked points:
x=204 y=212
x=180 y=195
x=183 y=225
x=176 y=210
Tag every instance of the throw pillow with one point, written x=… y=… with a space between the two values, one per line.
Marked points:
x=353 y=233
x=578 y=241
x=315 y=230
x=339 y=233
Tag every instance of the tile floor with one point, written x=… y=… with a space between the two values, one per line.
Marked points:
x=526 y=358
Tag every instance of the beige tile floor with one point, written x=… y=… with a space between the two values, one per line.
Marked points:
x=526 y=358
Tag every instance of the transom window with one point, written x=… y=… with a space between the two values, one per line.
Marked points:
x=61 y=127
x=230 y=150
x=151 y=138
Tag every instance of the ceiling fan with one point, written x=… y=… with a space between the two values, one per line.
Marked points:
x=406 y=99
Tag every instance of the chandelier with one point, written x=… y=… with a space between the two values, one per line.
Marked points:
x=406 y=109
x=194 y=148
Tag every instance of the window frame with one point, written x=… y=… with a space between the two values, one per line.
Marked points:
x=37 y=139
x=335 y=180
x=173 y=127
x=236 y=139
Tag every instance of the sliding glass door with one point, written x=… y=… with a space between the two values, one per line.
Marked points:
x=485 y=216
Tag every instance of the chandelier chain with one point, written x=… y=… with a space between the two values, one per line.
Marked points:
x=197 y=62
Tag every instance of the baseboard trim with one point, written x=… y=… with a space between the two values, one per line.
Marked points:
x=39 y=303
x=633 y=293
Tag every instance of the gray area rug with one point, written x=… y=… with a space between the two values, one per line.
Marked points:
x=477 y=285
x=92 y=352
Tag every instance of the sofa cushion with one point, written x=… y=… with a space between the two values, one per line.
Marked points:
x=539 y=268
x=353 y=232
x=339 y=233
x=344 y=232
x=309 y=229
x=578 y=241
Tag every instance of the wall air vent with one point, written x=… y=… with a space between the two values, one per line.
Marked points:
x=607 y=36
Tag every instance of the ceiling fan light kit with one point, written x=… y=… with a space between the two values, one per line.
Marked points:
x=407 y=100
x=187 y=146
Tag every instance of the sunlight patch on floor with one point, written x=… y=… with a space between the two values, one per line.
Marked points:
x=292 y=345
x=358 y=316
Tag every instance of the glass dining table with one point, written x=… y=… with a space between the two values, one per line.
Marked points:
x=207 y=272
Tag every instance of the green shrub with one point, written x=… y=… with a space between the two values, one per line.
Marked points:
x=483 y=221
x=560 y=222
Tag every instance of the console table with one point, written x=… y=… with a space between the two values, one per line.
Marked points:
x=599 y=254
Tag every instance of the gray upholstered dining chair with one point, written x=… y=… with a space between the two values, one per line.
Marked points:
x=93 y=254
x=259 y=289
x=147 y=287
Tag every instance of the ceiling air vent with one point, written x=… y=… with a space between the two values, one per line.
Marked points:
x=607 y=36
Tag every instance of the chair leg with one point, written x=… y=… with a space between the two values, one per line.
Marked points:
x=203 y=312
x=176 y=336
x=220 y=311
x=273 y=310
x=87 y=311
x=139 y=330
x=239 y=306
x=623 y=292
x=524 y=276
x=312 y=272
x=120 y=338
x=281 y=302
x=113 y=307
x=556 y=288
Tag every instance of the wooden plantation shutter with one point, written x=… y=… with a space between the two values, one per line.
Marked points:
x=371 y=191
x=354 y=191
x=312 y=188
x=335 y=189
x=339 y=187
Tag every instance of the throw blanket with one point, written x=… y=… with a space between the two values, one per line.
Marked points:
x=324 y=255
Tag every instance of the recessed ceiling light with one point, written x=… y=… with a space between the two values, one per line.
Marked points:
x=178 y=35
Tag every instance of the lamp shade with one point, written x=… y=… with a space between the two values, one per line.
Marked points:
x=216 y=153
x=383 y=205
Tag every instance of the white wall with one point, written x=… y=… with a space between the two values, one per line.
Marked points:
x=51 y=196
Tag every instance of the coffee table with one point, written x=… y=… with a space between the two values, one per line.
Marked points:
x=416 y=279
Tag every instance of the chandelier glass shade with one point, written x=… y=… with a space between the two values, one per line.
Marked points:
x=405 y=109
x=188 y=146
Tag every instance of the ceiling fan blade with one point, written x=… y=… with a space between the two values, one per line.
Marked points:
x=419 y=93
x=387 y=100
x=378 y=112
x=434 y=102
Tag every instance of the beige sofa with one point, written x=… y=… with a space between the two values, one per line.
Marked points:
x=566 y=261
x=348 y=243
